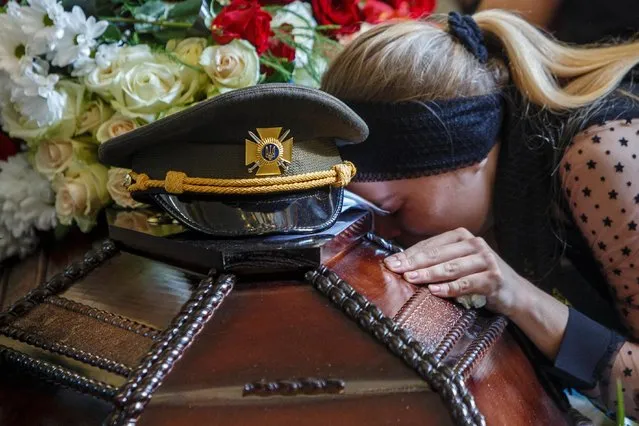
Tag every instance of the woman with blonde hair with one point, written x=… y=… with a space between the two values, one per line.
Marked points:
x=507 y=163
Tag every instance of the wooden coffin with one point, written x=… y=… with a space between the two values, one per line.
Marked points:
x=119 y=338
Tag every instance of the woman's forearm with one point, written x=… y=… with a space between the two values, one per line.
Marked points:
x=542 y=318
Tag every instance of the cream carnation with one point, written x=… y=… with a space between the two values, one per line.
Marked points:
x=118 y=191
x=21 y=246
x=231 y=66
x=26 y=203
x=115 y=126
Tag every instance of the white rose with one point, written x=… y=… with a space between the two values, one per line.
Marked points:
x=303 y=76
x=188 y=50
x=54 y=156
x=299 y=15
x=20 y=127
x=115 y=126
x=66 y=128
x=148 y=88
x=93 y=115
x=117 y=190
x=102 y=77
x=231 y=66
x=81 y=194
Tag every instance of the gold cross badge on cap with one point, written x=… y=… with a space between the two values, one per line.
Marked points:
x=270 y=152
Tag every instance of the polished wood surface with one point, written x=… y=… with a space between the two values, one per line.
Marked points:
x=282 y=332
x=275 y=330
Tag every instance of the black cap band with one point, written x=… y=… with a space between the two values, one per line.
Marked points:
x=413 y=139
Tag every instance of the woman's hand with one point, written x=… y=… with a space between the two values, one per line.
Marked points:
x=458 y=263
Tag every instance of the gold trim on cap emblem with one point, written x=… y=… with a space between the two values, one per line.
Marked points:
x=270 y=152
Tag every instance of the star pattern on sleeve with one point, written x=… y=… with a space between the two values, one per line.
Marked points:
x=600 y=178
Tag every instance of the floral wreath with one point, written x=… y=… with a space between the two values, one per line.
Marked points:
x=72 y=78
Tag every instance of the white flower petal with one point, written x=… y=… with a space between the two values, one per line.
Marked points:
x=25 y=206
x=299 y=15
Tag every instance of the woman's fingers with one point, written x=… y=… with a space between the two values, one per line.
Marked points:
x=449 y=270
x=480 y=283
x=432 y=252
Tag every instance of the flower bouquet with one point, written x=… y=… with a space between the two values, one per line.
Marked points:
x=75 y=73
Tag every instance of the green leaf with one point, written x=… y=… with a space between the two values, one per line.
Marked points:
x=149 y=12
x=185 y=9
x=168 y=34
x=282 y=69
x=90 y=7
x=112 y=34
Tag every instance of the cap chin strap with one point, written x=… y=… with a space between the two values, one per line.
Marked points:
x=178 y=182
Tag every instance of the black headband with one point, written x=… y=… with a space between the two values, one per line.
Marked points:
x=413 y=139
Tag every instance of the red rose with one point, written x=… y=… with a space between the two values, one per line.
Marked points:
x=376 y=11
x=271 y=2
x=281 y=50
x=243 y=19
x=7 y=147
x=413 y=8
x=345 y=13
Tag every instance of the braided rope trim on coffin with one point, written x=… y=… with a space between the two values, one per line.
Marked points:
x=450 y=386
x=383 y=243
x=479 y=346
x=66 y=350
x=477 y=349
x=105 y=317
x=133 y=397
x=454 y=334
x=56 y=284
x=292 y=387
x=57 y=375
x=60 y=282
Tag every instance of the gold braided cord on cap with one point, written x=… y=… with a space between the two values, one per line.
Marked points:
x=178 y=183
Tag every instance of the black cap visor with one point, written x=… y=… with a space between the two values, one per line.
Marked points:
x=241 y=216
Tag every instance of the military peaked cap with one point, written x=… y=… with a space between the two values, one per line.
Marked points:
x=253 y=161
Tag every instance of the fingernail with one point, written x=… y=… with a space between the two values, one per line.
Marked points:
x=411 y=275
x=434 y=288
x=393 y=262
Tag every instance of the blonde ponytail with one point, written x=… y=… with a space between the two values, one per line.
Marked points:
x=420 y=60
x=537 y=63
